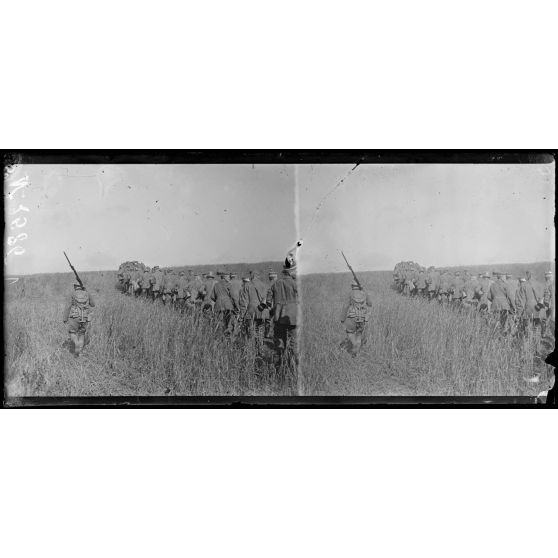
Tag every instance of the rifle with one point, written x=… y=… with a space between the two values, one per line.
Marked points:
x=352 y=271
x=75 y=272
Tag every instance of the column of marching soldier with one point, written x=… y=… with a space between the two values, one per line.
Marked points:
x=513 y=304
x=249 y=307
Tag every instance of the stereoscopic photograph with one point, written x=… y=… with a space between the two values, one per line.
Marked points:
x=293 y=280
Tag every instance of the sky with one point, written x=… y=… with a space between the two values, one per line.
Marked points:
x=102 y=215
x=441 y=215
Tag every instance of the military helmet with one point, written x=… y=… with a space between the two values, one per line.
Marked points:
x=181 y=273
x=354 y=284
x=210 y=275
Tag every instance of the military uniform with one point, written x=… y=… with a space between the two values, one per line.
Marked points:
x=78 y=317
x=445 y=287
x=268 y=325
x=433 y=283
x=145 y=282
x=421 y=283
x=157 y=278
x=484 y=289
x=207 y=291
x=501 y=303
x=195 y=288
x=223 y=304
x=253 y=308
x=526 y=302
x=354 y=316
x=181 y=290
x=282 y=299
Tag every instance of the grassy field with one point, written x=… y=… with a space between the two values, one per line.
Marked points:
x=140 y=348
x=413 y=347
x=137 y=347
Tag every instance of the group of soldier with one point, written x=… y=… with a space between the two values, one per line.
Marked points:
x=509 y=301
x=246 y=306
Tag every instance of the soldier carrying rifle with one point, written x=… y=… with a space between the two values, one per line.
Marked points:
x=355 y=314
x=78 y=314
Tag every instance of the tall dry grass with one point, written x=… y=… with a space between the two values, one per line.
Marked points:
x=137 y=347
x=412 y=347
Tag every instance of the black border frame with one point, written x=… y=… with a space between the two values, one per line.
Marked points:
x=277 y=156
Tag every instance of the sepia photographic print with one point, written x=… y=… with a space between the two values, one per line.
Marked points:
x=279 y=278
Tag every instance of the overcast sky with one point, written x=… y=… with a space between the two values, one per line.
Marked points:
x=441 y=215
x=102 y=215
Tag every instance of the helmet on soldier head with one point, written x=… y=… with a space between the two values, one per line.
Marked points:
x=181 y=273
x=354 y=284
x=77 y=286
x=210 y=275
x=246 y=279
x=522 y=279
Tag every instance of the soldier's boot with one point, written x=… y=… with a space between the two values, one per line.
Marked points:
x=73 y=342
x=351 y=346
x=357 y=344
x=79 y=344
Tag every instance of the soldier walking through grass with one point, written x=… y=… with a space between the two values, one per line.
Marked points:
x=78 y=317
x=355 y=316
x=527 y=307
x=253 y=309
x=223 y=304
x=282 y=300
x=268 y=327
x=502 y=304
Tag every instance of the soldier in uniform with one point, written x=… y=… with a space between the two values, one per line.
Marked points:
x=235 y=286
x=421 y=283
x=207 y=291
x=354 y=316
x=484 y=302
x=457 y=289
x=195 y=290
x=223 y=304
x=282 y=299
x=502 y=303
x=181 y=291
x=253 y=309
x=472 y=292
x=433 y=283
x=444 y=295
x=268 y=325
x=78 y=317
x=527 y=306
x=157 y=278
x=168 y=287
x=145 y=282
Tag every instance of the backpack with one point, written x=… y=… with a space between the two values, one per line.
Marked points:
x=357 y=306
x=80 y=306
